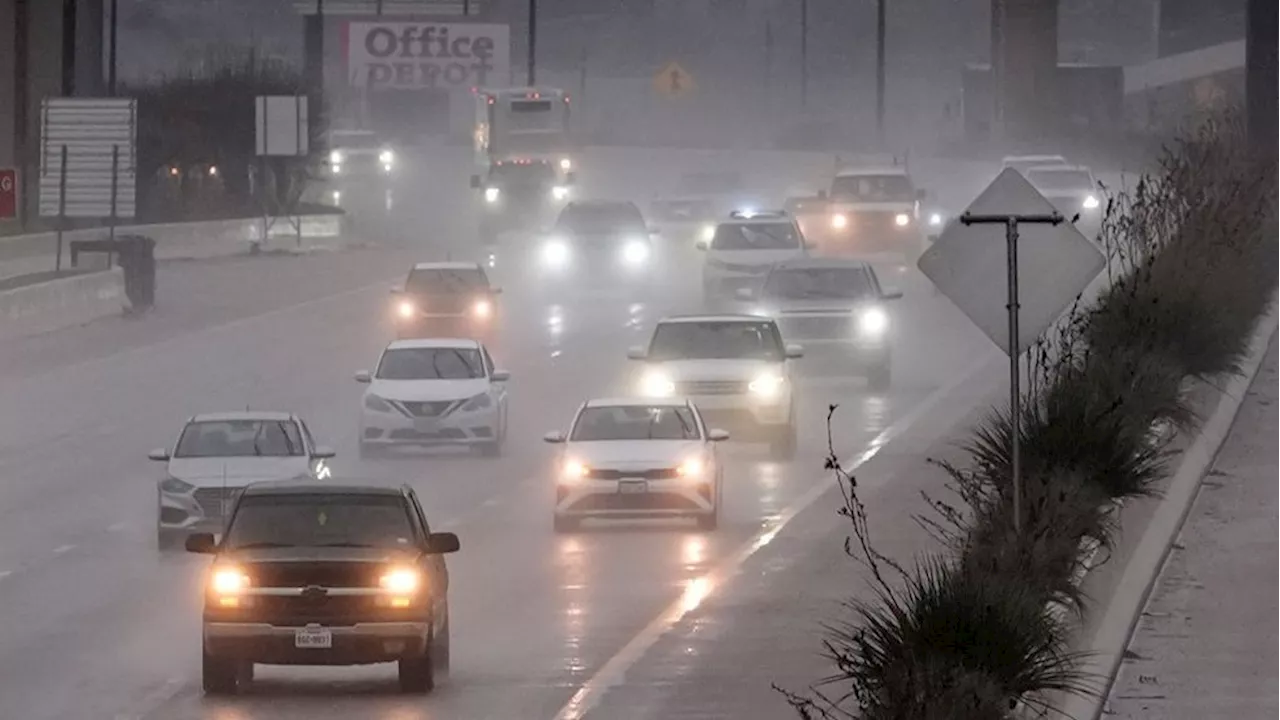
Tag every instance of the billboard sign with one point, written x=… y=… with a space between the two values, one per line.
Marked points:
x=423 y=55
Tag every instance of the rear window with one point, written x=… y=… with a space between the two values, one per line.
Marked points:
x=756 y=236
x=717 y=339
x=441 y=281
x=321 y=520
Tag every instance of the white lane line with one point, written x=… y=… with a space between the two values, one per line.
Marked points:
x=492 y=501
x=697 y=590
x=62 y=549
x=117 y=527
x=5 y=573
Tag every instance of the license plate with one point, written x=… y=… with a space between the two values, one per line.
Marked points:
x=633 y=487
x=425 y=426
x=313 y=638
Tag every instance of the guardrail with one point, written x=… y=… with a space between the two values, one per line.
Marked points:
x=24 y=254
x=62 y=302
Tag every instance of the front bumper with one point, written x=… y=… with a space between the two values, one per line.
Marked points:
x=457 y=428
x=638 y=498
x=358 y=644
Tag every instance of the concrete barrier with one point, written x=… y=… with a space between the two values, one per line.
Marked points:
x=60 y=303
x=23 y=254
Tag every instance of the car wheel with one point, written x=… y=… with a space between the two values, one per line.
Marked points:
x=219 y=676
x=783 y=445
x=880 y=377
x=440 y=649
x=417 y=675
x=565 y=524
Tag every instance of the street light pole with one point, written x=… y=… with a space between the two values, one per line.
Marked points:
x=880 y=11
x=533 y=41
x=804 y=53
x=113 y=31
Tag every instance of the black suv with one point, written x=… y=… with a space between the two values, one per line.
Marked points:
x=447 y=299
x=311 y=574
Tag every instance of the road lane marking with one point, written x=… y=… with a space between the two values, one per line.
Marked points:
x=697 y=590
x=62 y=549
x=5 y=573
x=117 y=527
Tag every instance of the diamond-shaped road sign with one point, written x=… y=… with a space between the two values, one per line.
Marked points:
x=672 y=80
x=968 y=263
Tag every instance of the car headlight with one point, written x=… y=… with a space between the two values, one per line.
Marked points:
x=477 y=402
x=386 y=157
x=559 y=192
x=335 y=157
x=176 y=486
x=691 y=469
x=573 y=470
x=401 y=581
x=1091 y=203
x=768 y=385
x=566 y=164
x=482 y=309
x=656 y=384
x=873 y=321
x=491 y=194
x=337 y=168
x=377 y=404
x=228 y=580
x=555 y=253
x=708 y=232
x=406 y=309
x=635 y=252
x=935 y=219
x=901 y=219
x=839 y=221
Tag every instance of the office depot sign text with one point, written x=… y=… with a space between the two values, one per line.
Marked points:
x=417 y=55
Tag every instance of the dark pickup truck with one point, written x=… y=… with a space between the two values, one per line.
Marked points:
x=325 y=574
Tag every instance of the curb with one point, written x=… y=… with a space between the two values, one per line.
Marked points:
x=1121 y=616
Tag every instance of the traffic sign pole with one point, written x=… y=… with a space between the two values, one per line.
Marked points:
x=1010 y=223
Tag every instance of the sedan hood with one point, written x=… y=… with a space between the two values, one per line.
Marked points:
x=633 y=454
x=239 y=471
x=819 y=306
x=428 y=390
x=750 y=260
x=681 y=370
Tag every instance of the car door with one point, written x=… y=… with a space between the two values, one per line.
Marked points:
x=434 y=566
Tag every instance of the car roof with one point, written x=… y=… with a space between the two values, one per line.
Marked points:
x=726 y=317
x=601 y=204
x=434 y=343
x=267 y=415
x=637 y=402
x=814 y=263
x=287 y=487
x=873 y=171
x=448 y=265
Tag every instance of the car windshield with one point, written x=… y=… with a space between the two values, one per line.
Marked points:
x=240 y=438
x=431 y=363
x=353 y=141
x=756 y=236
x=635 y=422
x=1060 y=179
x=600 y=218
x=446 y=281
x=320 y=520
x=873 y=188
x=852 y=283
x=717 y=339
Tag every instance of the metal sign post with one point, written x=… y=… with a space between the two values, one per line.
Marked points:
x=1010 y=223
x=62 y=207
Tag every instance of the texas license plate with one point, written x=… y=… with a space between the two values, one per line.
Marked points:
x=425 y=426
x=633 y=487
x=313 y=638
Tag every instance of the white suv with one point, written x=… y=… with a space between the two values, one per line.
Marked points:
x=741 y=250
x=734 y=368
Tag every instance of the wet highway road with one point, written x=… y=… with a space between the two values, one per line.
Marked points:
x=95 y=623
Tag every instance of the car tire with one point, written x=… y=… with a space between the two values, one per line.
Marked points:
x=782 y=446
x=564 y=524
x=219 y=676
x=880 y=377
x=418 y=674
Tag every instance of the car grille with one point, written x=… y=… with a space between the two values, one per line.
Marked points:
x=638 y=501
x=816 y=325
x=712 y=387
x=325 y=574
x=653 y=474
x=426 y=409
x=211 y=500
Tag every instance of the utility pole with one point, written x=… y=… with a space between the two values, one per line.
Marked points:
x=113 y=31
x=533 y=42
x=1260 y=75
x=880 y=10
x=998 y=20
x=804 y=53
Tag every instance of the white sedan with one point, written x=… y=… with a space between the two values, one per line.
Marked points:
x=434 y=392
x=637 y=458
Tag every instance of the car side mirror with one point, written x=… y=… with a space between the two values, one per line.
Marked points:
x=891 y=294
x=323 y=452
x=745 y=294
x=703 y=245
x=500 y=376
x=201 y=543
x=555 y=437
x=636 y=353
x=717 y=435
x=364 y=377
x=159 y=455
x=442 y=543
x=794 y=352
x=475 y=182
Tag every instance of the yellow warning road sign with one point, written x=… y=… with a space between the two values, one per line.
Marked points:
x=672 y=80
